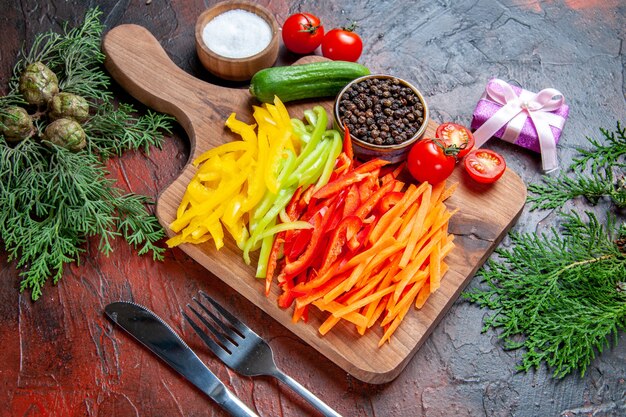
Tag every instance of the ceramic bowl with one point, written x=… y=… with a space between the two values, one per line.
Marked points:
x=236 y=69
x=394 y=152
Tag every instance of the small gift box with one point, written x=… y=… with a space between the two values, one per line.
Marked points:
x=531 y=120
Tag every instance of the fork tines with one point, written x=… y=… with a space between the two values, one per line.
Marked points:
x=226 y=336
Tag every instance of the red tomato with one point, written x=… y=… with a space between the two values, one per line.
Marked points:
x=342 y=44
x=485 y=165
x=453 y=134
x=302 y=33
x=427 y=161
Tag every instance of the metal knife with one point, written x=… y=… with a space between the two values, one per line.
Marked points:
x=156 y=335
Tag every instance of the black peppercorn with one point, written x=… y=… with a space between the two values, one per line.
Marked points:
x=382 y=111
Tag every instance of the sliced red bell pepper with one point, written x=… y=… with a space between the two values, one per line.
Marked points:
x=367 y=207
x=285 y=299
x=352 y=201
x=272 y=262
x=304 y=260
x=289 y=289
x=354 y=176
x=347 y=228
x=347 y=144
x=343 y=165
x=389 y=200
x=297 y=243
x=295 y=207
x=339 y=203
x=367 y=187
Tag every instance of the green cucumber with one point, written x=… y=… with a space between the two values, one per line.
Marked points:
x=296 y=82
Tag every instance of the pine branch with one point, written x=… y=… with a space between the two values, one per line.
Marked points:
x=138 y=226
x=74 y=56
x=606 y=162
x=52 y=199
x=561 y=297
x=557 y=296
x=554 y=192
x=114 y=130
x=610 y=152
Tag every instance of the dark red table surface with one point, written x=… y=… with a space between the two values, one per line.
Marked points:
x=60 y=356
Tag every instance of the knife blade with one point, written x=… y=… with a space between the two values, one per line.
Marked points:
x=152 y=332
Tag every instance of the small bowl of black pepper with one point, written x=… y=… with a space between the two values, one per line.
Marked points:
x=385 y=115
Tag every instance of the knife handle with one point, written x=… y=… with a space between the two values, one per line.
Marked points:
x=235 y=406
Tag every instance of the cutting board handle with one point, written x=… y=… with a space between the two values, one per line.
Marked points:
x=136 y=60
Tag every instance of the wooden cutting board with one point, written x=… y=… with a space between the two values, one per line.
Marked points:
x=138 y=63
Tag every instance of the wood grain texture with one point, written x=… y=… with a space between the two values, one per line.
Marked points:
x=486 y=212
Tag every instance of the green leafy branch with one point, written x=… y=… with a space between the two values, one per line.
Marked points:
x=54 y=198
x=75 y=57
x=112 y=131
x=561 y=296
x=609 y=152
x=606 y=161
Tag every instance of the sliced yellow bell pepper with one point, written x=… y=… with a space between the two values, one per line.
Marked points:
x=243 y=185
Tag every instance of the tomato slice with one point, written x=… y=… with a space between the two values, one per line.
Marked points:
x=484 y=165
x=457 y=135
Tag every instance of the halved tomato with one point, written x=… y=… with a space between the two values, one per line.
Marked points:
x=453 y=134
x=485 y=165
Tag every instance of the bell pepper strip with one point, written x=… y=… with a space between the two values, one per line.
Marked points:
x=349 y=225
x=347 y=143
x=359 y=275
x=264 y=255
x=306 y=257
x=275 y=160
x=319 y=120
x=368 y=187
x=354 y=176
x=352 y=201
x=272 y=261
x=222 y=149
x=388 y=201
x=333 y=153
x=256 y=230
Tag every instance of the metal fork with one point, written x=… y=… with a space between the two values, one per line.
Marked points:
x=243 y=350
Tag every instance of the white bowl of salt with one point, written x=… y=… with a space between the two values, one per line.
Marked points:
x=236 y=39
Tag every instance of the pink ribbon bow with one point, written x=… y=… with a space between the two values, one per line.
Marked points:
x=514 y=112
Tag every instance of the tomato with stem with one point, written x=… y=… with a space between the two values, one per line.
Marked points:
x=484 y=165
x=302 y=33
x=342 y=44
x=430 y=160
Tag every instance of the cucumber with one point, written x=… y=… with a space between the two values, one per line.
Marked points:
x=296 y=82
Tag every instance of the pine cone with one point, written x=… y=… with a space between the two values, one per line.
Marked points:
x=68 y=105
x=16 y=124
x=38 y=84
x=621 y=244
x=66 y=133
